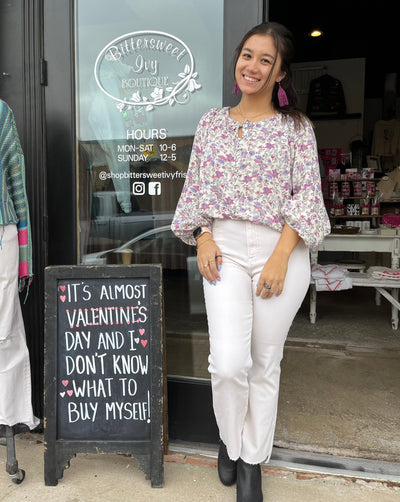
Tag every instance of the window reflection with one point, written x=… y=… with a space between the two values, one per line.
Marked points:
x=118 y=205
x=140 y=95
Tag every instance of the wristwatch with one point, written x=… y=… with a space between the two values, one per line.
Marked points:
x=199 y=231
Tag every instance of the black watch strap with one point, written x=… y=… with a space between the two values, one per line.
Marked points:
x=197 y=232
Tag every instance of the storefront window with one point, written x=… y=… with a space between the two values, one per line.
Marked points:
x=146 y=71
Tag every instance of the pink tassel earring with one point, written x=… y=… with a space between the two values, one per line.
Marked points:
x=282 y=96
x=236 y=89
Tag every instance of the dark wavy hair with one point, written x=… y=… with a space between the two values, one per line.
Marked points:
x=283 y=40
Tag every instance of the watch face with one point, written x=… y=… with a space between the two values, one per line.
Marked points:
x=197 y=232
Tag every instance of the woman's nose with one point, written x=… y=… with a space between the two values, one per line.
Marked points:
x=253 y=65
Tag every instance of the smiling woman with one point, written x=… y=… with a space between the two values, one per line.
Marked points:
x=258 y=67
x=252 y=203
x=263 y=75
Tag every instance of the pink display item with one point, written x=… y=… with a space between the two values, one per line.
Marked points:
x=357 y=188
x=334 y=190
x=393 y=220
x=365 y=209
x=345 y=189
x=375 y=210
x=371 y=189
x=331 y=157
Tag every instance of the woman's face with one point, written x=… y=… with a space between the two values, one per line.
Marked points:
x=255 y=64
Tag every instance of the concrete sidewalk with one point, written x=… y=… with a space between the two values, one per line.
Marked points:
x=188 y=477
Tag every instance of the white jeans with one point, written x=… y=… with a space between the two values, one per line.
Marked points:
x=247 y=335
x=15 y=371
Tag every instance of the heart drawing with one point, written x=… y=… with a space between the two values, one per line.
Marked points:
x=62 y=394
x=62 y=288
x=62 y=298
x=143 y=342
x=70 y=392
x=65 y=382
x=142 y=331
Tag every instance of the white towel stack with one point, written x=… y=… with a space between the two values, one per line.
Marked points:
x=384 y=273
x=331 y=277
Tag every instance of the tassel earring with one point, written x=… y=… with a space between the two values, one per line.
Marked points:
x=236 y=89
x=282 y=96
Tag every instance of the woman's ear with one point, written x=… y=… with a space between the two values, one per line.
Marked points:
x=280 y=77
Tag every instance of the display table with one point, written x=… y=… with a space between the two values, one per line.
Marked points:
x=363 y=243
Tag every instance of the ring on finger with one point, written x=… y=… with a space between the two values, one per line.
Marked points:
x=266 y=286
x=211 y=261
x=206 y=265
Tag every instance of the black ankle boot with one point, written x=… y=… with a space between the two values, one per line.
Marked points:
x=248 y=482
x=226 y=466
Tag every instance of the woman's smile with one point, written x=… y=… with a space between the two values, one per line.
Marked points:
x=250 y=79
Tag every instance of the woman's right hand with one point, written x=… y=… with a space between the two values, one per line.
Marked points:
x=209 y=258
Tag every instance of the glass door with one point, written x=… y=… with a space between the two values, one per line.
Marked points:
x=145 y=73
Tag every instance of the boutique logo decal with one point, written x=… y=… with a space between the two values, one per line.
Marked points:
x=146 y=69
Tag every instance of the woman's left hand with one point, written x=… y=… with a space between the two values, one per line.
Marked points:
x=272 y=277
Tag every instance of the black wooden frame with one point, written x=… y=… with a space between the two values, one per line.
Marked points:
x=59 y=451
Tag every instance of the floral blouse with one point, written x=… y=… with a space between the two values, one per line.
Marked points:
x=270 y=176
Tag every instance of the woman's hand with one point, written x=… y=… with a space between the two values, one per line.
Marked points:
x=209 y=258
x=274 y=272
x=272 y=276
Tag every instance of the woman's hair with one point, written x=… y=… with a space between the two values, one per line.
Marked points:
x=283 y=40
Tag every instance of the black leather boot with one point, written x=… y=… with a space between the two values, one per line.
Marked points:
x=226 y=466
x=248 y=482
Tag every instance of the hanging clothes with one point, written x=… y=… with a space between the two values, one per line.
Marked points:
x=15 y=274
x=326 y=97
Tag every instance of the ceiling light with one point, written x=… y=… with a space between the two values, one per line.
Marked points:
x=315 y=33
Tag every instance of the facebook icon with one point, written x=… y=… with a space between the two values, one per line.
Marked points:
x=154 y=188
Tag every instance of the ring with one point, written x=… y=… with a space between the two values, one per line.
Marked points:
x=206 y=265
x=211 y=261
x=267 y=286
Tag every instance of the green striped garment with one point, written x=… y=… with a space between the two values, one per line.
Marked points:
x=14 y=207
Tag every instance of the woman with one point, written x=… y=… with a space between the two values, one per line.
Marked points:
x=252 y=204
x=15 y=275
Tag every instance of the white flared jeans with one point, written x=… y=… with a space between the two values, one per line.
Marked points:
x=247 y=335
x=15 y=370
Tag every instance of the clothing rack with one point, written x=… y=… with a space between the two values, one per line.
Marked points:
x=16 y=474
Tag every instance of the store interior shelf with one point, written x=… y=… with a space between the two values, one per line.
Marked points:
x=356 y=217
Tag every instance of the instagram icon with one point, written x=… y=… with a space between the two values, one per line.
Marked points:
x=138 y=188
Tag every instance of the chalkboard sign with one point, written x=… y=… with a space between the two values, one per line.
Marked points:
x=104 y=365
